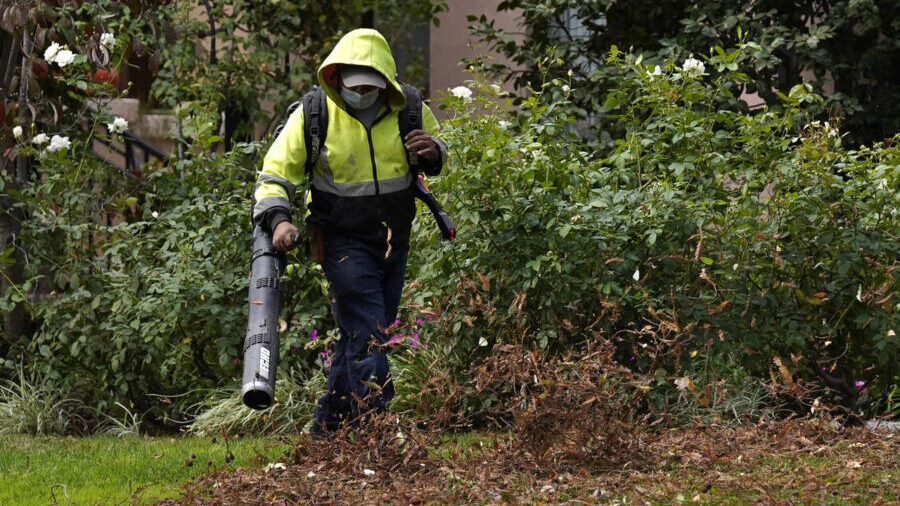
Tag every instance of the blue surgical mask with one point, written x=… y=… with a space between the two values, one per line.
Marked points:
x=359 y=101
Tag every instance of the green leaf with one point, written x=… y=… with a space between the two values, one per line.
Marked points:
x=706 y=260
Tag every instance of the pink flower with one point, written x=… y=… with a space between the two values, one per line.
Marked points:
x=312 y=337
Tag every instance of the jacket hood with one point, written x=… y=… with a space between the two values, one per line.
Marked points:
x=365 y=47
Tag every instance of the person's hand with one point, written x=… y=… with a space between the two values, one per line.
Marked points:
x=281 y=239
x=421 y=143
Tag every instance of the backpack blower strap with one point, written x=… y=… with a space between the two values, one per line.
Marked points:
x=315 y=125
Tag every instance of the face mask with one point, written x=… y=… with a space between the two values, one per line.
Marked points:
x=358 y=101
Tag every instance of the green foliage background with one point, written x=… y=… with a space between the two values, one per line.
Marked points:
x=847 y=48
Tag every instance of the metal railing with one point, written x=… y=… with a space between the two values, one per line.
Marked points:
x=131 y=147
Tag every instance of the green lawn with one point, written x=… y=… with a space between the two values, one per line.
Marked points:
x=109 y=470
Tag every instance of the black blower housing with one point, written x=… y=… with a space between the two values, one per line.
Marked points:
x=261 y=344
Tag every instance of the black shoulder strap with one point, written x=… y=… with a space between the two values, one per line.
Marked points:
x=410 y=117
x=315 y=125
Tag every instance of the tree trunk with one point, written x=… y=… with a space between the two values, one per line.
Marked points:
x=14 y=320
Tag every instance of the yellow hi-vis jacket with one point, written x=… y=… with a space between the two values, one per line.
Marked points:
x=361 y=184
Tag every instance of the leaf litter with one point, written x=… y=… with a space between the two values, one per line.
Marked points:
x=570 y=430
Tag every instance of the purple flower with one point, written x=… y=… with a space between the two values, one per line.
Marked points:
x=295 y=350
x=860 y=384
x=414 y=344
x=315 y=332
x=632 y=357
x=415 y=336
x=418 y=321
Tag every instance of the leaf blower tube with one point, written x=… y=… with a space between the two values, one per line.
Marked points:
x=267 y=265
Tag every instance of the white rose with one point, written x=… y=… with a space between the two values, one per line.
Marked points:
x=17 y=132
x=50 y=53
x=565 y=88
x=693 y=67
x=64 y=57
x=40 y=139
x=57 y=143
x=118 y=126
x=108 y=40
x=656 y=72
x=461 y=92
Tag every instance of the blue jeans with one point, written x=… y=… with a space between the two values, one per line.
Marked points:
x=365 y=290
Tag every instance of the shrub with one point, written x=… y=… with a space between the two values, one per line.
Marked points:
x=703 y=241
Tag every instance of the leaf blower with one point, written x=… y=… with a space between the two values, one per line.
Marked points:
x=267 y=265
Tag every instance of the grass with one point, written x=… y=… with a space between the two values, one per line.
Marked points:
x=110 y=470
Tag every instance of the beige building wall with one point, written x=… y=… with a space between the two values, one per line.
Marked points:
x=451 y=41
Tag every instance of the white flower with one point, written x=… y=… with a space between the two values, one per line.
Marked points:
x=118 y=126
x=891 y=333
x=637 y=275
x=569 y=73
x=154 y=214
x=461 y=92
x=108 y=40
x=64 y=57
x=693 y=67
x=58 y=142
x=656 y=72
x=40 y=139
x=683 y=383
x=882 y=185
x=368 y=472
x=565 y=88
x=310 y=474
x=50 y=53
x=17 y=132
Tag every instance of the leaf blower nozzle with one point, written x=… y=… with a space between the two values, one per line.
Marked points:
x=261 y=344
